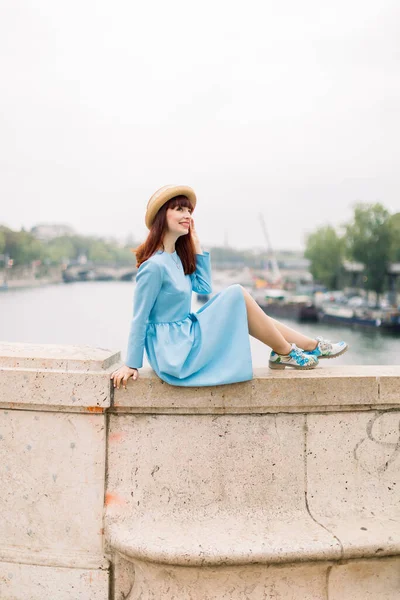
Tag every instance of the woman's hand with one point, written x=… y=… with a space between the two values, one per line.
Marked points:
x=122 y=375
x=195 y=237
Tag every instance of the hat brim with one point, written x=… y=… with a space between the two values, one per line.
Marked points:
x=161 y=196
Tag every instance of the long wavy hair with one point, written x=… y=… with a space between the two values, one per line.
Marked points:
x=184 y=244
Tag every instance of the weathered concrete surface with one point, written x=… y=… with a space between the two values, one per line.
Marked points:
x=52 y=356
x=32 y=582
x=284 y=487
x=51 y=377
x=352 y=580
x=53 y=468
x=52 y=494
x=220 y=490
x=353 y=479
x=262 y=505
x=365 y=580
x=253 y=582
x=324 y=389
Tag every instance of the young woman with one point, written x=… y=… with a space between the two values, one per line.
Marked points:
x=210 y=346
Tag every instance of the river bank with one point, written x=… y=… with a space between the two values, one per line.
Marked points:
x=21 y=278
x=28 y=283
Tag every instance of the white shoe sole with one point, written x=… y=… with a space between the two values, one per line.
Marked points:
x=274 y=365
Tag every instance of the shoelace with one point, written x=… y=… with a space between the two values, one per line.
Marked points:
x=325 y=344
x=297 y=353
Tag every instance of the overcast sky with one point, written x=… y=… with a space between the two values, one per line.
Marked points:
x=288 y=108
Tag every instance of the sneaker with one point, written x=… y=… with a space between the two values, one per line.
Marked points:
x=297 y=359
x=327 y=349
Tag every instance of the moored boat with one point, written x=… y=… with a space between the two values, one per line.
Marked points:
x=282 y=304
x=383 y=319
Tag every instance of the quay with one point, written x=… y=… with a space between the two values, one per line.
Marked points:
x=283 y=487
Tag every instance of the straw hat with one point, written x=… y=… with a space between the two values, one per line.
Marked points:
x=162 y=196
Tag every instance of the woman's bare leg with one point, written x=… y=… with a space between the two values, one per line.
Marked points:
x=302 y=341
x=272 y=333
x=262 y=327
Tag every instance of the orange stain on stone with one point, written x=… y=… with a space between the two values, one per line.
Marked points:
x=95 y=409
x=115 y=437
x=114 y=499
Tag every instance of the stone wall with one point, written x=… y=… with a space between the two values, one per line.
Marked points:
x=285 y=487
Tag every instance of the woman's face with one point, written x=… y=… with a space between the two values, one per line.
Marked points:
x=178 y=220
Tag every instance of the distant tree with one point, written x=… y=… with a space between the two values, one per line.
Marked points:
x=59 y=249
x=21 y=246
x=394 y=223
x=100 y=252
x=2 y=241
x=324 y=248
x=125 y=256
x=95 y=249
x=369 y=240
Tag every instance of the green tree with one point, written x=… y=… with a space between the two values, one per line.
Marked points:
x=59 y=249
x=369 y=240
x=394 y=223
x=21 y=246
x=324 y=248
x=2 y=241
x=100 y=252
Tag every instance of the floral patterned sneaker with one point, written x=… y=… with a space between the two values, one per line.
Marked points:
x=297 y=359
x=327 y=349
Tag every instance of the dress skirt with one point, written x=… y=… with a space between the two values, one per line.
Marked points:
x=209 y=347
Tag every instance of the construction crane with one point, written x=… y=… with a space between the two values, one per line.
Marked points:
x=275 y=274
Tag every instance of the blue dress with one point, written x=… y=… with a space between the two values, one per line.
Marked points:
x=207 y=347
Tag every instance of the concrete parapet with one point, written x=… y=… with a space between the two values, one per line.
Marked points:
x=271 y=488
x=51 y=377
x=53 y=466
x=284 y=487
x=325 y=389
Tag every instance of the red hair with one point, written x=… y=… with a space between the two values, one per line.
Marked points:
x=184 y=244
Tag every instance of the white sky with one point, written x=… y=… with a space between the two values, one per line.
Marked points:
x=291 y=108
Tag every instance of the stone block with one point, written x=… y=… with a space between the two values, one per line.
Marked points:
x=211 y=490
x=55 y=377
x=56 y=357
x=389 y=385
x=33 y=582
x=52 y=492
x=365 y=580
x=353 y=479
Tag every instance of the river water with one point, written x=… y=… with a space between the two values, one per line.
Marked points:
x=99 y=314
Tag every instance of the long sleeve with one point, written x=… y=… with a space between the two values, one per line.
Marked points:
x=201 y=278
x=148 y=285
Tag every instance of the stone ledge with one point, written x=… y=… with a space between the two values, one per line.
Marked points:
x=51 y=377
x=233 y=540
x=56 y=389
x=35 y=582
x=340 y=388
x=255 y=540
x=53 y=558
x=56 y=357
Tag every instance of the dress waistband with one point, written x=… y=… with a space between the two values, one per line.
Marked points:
x=189 y=316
